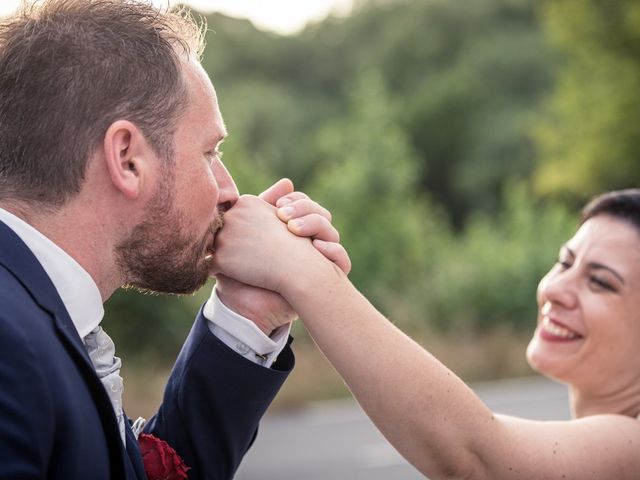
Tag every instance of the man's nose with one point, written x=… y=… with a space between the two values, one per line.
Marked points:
x=227 y=190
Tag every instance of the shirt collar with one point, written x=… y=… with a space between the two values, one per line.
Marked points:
x=76 y=288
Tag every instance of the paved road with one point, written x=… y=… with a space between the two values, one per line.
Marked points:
x=336 y=441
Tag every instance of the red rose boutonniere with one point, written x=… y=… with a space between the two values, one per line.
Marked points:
x=161 y=462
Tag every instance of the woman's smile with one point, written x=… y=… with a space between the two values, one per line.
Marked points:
x=553 y=331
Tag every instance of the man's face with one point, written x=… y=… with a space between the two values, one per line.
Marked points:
x=171 y=250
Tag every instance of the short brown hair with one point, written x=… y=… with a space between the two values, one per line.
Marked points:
x=68 y=70
x=621 y=204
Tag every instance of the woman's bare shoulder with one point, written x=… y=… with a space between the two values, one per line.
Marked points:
x=597 y=446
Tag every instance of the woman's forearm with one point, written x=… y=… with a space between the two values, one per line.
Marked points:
x=422 y=408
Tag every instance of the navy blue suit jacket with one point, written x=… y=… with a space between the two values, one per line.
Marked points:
x=56 y=420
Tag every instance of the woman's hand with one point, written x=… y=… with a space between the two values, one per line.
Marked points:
x=255 y=247
x=238 y=245
x=306 y=218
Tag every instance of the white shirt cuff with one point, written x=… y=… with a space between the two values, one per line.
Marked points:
x=242 y=335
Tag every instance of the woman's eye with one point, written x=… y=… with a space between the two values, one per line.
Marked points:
x=598 y=282
x=564 y=264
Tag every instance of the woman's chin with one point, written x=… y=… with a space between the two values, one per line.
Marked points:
x=545 y=360
x=534 y=358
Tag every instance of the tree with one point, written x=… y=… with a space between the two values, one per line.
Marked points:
x=369 y=181
x=590 y=139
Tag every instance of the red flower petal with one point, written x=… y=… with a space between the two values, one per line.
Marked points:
x=161 y=462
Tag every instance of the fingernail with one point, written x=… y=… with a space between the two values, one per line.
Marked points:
x=286 y=213
x=297 y=223
x=282 y=201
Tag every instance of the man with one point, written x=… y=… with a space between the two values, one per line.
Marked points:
x=110 y=174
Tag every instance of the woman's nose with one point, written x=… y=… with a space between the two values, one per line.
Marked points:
x=558 y=287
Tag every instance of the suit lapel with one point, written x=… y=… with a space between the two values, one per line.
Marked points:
x=135 y=467
x=16 y=257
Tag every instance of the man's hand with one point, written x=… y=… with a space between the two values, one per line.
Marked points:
x=267 y=309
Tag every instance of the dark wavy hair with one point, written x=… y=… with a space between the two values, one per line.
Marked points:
x=622 y=204
x=68 y=70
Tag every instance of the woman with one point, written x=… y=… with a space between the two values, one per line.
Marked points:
x=587 y=335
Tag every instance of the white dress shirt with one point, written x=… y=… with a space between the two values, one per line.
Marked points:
x=83 y=301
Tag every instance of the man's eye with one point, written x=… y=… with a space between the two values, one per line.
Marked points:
x=564 y=264
x=214 y=154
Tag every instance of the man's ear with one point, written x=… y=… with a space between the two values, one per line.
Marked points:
x=127 y=156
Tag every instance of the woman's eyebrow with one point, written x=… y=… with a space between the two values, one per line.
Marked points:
x=600 y=266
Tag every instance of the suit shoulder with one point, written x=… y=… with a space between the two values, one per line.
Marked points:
x=18 y=309
x=9 y=284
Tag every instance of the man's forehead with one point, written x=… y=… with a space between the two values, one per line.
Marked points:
x=219 y=127
x=195 y=73
x=203 y=95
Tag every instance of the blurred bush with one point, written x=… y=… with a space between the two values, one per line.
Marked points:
x=369 y=180
x=487 y=276
x=434 y=132
x=150 y=327
x=590 y=135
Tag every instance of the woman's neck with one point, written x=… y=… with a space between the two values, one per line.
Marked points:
x=622 y=402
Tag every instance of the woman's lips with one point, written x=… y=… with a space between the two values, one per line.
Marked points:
x=556 y=332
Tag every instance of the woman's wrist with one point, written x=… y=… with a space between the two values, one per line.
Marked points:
x=317 y=277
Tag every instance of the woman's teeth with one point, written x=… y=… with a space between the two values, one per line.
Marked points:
x=557 y=330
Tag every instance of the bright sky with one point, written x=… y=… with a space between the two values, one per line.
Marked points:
x=283 y=16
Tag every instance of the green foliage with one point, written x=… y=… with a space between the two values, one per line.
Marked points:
x=468 y=76
x=149 y=326
x=369 y=182
x=488 y=275
x=268 y=126
x=417 y=123
x=590 y=139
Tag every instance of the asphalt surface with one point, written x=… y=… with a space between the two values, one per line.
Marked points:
x=336 y=441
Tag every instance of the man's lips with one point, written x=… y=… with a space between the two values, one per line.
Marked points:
x=553 y=330
x=210 y=249
x=214 y=229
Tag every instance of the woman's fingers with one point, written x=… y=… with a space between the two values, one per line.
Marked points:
x=314 y=226
x=300 y=208
x=306 y=218
x=334 y=252
x=290 y=197
x=277 y=191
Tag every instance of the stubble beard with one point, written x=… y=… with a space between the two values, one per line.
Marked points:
x=158 y=256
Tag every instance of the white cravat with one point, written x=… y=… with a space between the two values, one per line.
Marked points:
x=102 y=351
